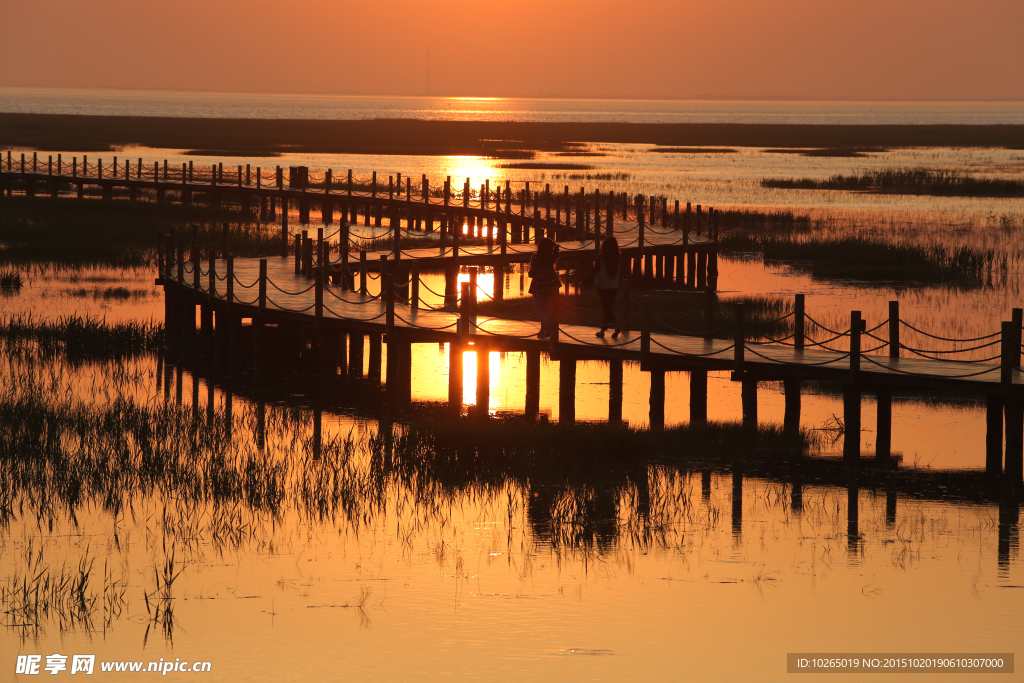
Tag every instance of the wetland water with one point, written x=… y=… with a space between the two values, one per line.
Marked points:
x=417 y=557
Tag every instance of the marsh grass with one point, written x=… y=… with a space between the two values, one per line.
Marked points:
x=82 y=233
x=10 y=281
x=79 y=338
x=109 y=293
x=546 y=166
x=869 y=258
x=40 y=591
x=907 y=181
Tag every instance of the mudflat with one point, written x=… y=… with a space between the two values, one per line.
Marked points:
x=509 y=140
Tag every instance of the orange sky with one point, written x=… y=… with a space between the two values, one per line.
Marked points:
x=872 y=49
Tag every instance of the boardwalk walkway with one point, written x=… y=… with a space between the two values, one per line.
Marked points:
x=295 y=296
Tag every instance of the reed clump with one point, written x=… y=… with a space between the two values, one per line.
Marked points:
x=10 y=281
x=84 y=233
x=870 y=258
x=907 y=181
x=79 y=338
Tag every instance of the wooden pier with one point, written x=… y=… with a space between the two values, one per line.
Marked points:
x=678 y=244
x=314 y=300
x=290 y=314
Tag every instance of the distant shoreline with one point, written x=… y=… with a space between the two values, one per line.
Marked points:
x=510 y=140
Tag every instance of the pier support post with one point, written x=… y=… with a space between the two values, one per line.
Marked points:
x=748 y=397
x=852 y=517
x=1013 y=409
x=355 y=354
x=483 y=381
x=791 y=417
x=698 y=397
x=851 y=421
x=737 y=504
x=657 y=403
x=455 y=377
x=615 y=391
x=392 y=377
x=883 y=430
x=1008 y=534
x=376 y=351
x=994 y=434
x=532 y=383
x=566 y=391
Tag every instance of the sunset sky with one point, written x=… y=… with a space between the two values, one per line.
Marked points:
x=685 y=49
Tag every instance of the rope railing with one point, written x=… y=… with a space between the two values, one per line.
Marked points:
x=368 y=300
x=420 y=326
x=717 y=352
x=754 y=351
x=949 y=339
x=284 y=291
x=290 y=310
x=888 y=368
x=947 y=351
x=627 y=342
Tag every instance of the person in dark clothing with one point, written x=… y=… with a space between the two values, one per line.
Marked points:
x=545 y=283
x=606 y=276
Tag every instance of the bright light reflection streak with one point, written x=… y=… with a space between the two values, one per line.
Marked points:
x=469 y=359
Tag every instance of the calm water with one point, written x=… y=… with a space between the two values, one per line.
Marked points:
x=270 y=106
x=379 y=563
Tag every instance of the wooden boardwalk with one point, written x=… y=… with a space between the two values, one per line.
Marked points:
x=350 y=308
x=669 y=243
x=292 y=297
x=270 y=293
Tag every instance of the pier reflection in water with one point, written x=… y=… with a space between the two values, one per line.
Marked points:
x=310 y=534
x=439 y=548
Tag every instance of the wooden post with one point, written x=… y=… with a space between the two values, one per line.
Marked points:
x=994 y=434
x=318 y=298
x=455 y=377
x=698 y=397
x=641 y=240
x=1007 y=353
x=645 y=333
x=856 y=327
x=566 y=389
x=258 y=332
x=376 y=352
x=851 y=421
x=532 y=402
x=483 y=381
x=883 y=429
x=799 y=319
x=738 y=338
x=748 y=398
x=791 y=417
x=615 y=391
x=363 y=277
x=691 y=269
x=657 y=401
x=894 y=329
x=414 y=279
x=356 y=341
x=1017 y=319
x=1013 y=464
